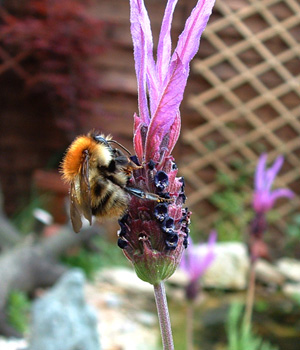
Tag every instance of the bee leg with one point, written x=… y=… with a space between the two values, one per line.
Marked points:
x=146 y=195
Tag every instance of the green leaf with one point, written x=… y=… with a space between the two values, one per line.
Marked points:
x=240 y=336
x=18 y=309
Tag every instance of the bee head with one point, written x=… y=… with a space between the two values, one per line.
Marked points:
x=99 y=138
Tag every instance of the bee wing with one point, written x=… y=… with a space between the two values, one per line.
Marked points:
x=85 y=189
x=75 y=210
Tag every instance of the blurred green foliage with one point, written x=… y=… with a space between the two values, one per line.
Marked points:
x=178 y=320
x=231 y=202
x=24 y=219
x=240 y=336
x=296 y=298
x=18 y=308
x=261 y=305
x=107 y=255
x=293 y=229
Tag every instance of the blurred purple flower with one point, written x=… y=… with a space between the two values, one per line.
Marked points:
x=195 y=262
x=263 y=198
x=153 y=233
x=198 y=258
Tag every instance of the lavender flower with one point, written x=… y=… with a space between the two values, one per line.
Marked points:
x=264 y=199
x=153 y=235
x=195 y=261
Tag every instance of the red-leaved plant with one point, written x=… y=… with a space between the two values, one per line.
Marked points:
x=56 y=40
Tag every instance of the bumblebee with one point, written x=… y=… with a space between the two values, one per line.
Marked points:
x=98 y=172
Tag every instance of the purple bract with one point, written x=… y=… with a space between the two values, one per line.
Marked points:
x=263 y=198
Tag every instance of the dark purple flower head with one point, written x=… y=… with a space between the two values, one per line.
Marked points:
x=157 y=232
x=263 y=198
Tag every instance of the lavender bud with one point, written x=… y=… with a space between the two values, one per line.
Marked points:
x=151 y=165
x=183 y=183
x=123 y=230
x=122 y=243
x=168 y=225
x=182 y=196
x=172 y=240
x=185 y=241
x=135 y=159
x=123 y=219
x=161 y=212
x=161 y=181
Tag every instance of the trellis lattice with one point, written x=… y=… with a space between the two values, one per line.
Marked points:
x=251 y=100
x=10 y=61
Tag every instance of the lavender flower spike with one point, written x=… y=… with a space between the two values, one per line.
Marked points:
x=155 y=232
x=263 y=198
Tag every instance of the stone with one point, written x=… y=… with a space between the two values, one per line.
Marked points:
x=290 y=268
x=61 y=319
x=229 y=269
x=291 y=290
x=179 y=279
x=268 y=274
x=13 y=344
x=126 y=279
x=128 y=321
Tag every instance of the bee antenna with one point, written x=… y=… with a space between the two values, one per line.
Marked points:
x=117 y=143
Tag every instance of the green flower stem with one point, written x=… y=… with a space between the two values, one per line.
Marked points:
x=189 y=326
x=250 y=295
x=163 y=316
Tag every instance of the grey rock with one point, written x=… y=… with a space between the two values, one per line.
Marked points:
x=61 y=319
x=12 y=344
x=291 y=289
x=290 y=268
x=230 y=267
x=126 y=279
x=130 y=326
x=268 y=274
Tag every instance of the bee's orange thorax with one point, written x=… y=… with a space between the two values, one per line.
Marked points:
x=72 y=162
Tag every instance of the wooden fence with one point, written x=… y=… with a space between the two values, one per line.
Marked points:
x=249 y=99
